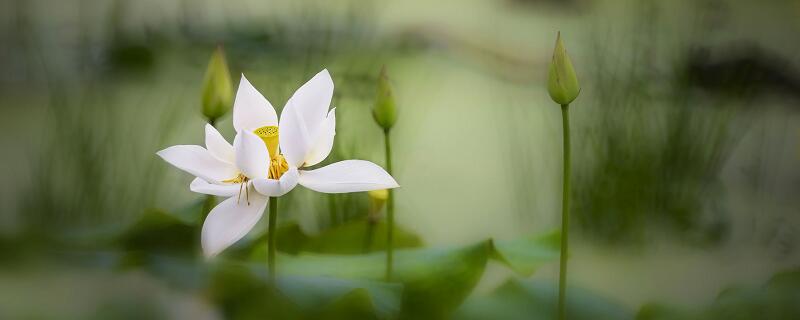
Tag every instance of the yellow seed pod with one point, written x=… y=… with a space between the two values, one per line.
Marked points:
x=269 y=134
x=562 y=82
x=217 y=87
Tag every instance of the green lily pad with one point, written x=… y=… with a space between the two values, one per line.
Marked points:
x=343 y=298
x=191 y=213
x=358 y=236
x=179 y=230
x=290 y=238
x=535 y=299
x=777 y=299
x=787 y=280
x=158 y=231
x=436 y=280
x=245 y=292
x=526 y=254
x=161 y=231
x=349 y=238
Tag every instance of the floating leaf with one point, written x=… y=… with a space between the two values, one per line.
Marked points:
x=775 y=300
x=245 y=292
x=348 y=238
x=242 y=291
x=357 y=236
x=159 y=231
x=191 y=213
x=526 y=254
x=343 y=296
x=290 y=239
x=435 y=280
x=787 y=280
x=519 y=299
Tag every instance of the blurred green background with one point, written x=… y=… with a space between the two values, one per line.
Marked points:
x=686 y=141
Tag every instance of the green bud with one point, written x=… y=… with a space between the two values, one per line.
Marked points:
x=217 y=87
x=384 y=111
x=562 y=83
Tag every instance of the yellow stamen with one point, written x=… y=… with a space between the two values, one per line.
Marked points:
x=277 y=167
x=277 y=164
x=242 y=180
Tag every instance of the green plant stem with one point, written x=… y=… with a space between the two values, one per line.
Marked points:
x=210 y=200
x=208 y=204
x=562 y=274
x=333 y=213
x=389 y=211
x=271 y=236
x=368 y=238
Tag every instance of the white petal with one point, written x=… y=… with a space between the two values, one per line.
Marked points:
x=251 y=110
x=347 y=176
x=230 y=221
x=223 y=190
x=303 y=115
x=277 y=188
x=323 y=143
x=217 y=145
x=314 y=98
x=199 y=162
x=252 y=156
x=293 y=136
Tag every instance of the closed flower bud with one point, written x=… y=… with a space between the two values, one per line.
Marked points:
x=384 y=111
x=562 y=83
x=377 y=199
x=217 y=87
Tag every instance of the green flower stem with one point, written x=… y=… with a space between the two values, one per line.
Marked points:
x=368 y=238
x=333 y=213
x=210 y=200
x=273 y=221
x=562 y=275
x=208 y=204
x=389 y=211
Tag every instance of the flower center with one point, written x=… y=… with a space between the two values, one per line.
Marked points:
x=270 y=136
x=277 y=164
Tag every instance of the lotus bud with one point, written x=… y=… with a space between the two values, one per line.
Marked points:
x=377 y=199
x=217 y=87
x=384 y=111
x=562 y=83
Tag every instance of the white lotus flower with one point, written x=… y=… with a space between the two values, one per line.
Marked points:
x=270 y=164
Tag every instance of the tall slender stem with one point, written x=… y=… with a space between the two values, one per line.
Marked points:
x=333 y=212
x=273 y=221
x=208 y=204
x=562 y=275
x=369 y=236
x=389 y=211
x=210 y=201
